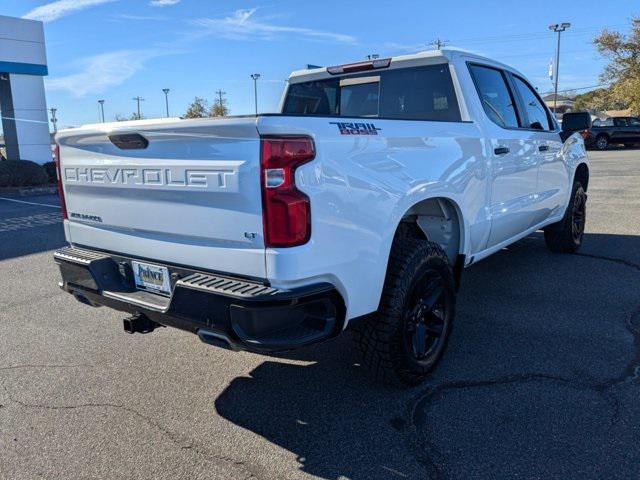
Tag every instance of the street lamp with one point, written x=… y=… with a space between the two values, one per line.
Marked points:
x=558 y=28
x=101 y=102
x=255 y=77
x=166 y=99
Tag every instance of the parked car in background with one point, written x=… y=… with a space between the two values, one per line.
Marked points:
x=614 y=130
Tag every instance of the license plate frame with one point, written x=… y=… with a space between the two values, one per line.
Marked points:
x=151 y=277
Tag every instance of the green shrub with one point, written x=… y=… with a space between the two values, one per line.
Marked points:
x=50 y=168
x=22 y=173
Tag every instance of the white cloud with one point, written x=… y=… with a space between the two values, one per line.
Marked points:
x=163 y=3
x=100 y=72
x=243 y=25
x=143 y=18
x=54 y=10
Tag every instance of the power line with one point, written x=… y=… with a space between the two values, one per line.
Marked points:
x=602 y=85
x=531 y=35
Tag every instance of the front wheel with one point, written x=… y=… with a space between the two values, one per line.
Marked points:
x=566 y=235
x=403 y=342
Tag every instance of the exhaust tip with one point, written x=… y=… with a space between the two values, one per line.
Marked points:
x=217 y=339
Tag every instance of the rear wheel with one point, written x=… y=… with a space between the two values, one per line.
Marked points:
x=602 y=142
x=406 y=338
x=566 y=235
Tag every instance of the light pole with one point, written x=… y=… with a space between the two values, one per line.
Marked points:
x=558 y=28
x=101 y=102
x=166 y=99
x=255 y=77
x=54 y=120
x=138 y=99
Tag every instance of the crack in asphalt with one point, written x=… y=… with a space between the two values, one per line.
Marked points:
x=243 y=467
x=620 y=261
x=427 y=452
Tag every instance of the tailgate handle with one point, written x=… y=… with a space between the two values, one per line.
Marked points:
x=129 y=141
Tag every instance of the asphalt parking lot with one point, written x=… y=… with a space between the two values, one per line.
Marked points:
x=541 y=379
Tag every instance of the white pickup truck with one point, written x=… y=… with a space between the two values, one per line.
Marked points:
x=357 y=206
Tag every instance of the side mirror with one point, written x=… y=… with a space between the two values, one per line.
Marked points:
x=575 y=122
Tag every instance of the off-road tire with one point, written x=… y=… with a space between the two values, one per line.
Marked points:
x=381 y=338
x=565 y=236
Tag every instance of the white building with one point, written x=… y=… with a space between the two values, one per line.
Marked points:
x=23 y=64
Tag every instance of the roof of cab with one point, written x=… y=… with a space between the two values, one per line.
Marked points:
x=427 y=57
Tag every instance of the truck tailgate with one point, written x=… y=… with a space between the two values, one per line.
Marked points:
x=191 y=197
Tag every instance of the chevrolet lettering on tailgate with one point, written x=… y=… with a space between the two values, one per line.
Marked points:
x=176 y=178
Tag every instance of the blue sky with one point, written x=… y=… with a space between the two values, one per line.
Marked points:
x=118 y=49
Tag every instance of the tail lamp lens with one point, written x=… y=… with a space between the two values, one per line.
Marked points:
x=286 y=210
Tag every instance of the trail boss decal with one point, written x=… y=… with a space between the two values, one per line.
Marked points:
x=350 y=128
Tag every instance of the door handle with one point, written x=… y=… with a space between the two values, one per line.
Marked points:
x=543 y=148
x=501 y=150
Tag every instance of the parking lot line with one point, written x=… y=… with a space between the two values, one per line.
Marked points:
x=29 y=203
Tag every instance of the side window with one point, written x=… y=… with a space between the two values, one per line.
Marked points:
x=424 y=93
x=495 y=96
x=634 y=122
x=620 y=122
x=536 y=113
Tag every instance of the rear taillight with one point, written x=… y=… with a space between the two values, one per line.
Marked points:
x=585 y=134
x=63 y=204
x=286 y=210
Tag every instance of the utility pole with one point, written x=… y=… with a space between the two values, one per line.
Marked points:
x=138 y=99
x=220 y=93
x=558 y=28
x=166 y=99
x=439 y=44
x=54 y=120
x=101 y=102
x=255 y=77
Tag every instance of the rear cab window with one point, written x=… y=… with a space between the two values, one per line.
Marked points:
x=416 y=93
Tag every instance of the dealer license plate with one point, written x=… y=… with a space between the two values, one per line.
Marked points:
x=151 y=277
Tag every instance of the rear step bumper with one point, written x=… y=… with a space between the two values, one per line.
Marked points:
x=231 y=312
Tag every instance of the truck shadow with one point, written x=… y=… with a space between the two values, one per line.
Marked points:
x=341 y=425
